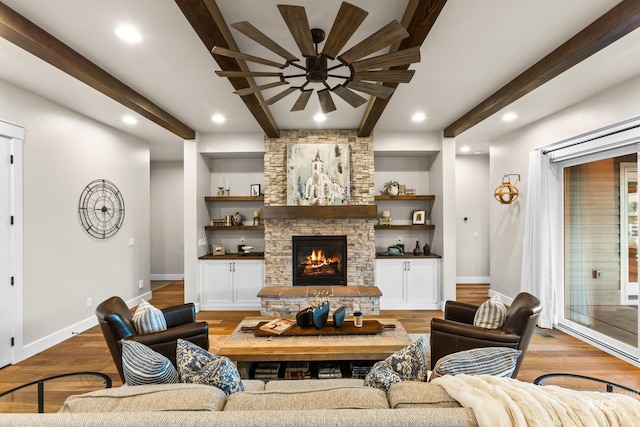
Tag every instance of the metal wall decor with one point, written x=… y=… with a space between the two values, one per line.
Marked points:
x=507 y=193
x=101 y=209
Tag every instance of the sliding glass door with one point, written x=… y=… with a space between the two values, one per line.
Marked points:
x=600 y=290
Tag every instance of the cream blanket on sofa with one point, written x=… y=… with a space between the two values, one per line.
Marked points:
x=508 y=402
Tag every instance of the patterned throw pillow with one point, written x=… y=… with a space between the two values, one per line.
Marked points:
x=498 y=361
x=148 y=319
x=141 y=365
x=491 y=314
x=198 y=366
x=408 y=364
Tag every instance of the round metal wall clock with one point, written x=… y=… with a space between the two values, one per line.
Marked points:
x=101 y=209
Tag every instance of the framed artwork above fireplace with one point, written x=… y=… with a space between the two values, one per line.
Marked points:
x=318 y=174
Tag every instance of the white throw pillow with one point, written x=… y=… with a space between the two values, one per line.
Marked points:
x=148 y=319
x=142 y=365
x=498 y=361
x=491 y=314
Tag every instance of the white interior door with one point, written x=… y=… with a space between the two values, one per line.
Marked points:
x=6 y=324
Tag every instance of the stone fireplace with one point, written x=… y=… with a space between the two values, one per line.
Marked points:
x=319 y=260
x=279 y=296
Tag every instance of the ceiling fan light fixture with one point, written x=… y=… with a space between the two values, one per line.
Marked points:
x=319 y=118
x=346 y=73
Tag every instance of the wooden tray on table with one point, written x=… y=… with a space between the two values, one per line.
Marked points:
x=369 y=327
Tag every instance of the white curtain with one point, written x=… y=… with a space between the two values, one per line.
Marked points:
x=541 y=262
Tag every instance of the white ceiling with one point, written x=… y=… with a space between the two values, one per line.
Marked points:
x=475 y=48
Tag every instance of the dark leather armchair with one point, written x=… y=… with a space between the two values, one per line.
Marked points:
x=456 y=331
x=116 y=322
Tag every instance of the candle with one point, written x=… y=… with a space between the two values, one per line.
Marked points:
x=227 y=182
x=220 y=181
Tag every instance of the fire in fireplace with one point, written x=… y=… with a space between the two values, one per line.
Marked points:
x=319 y=260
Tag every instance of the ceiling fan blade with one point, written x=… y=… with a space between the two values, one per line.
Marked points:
x=390 y=76
x=386 y=35
x=217 y=50
x=296 y=19
x=372 y=89
x=249 y=74
x=302 y=100
x=401 y=57
x=258 y=36
x=346 y=23
x=254 y=89
x=349 y=96
x=326 y=102
x=279 y=96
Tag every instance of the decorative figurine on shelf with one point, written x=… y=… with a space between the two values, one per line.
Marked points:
x=426 y=249
x=256 y=218
x=236 y=219
x=416 y=250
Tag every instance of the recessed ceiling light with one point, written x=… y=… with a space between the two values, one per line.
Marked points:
x=464 y=149
x=130 y=120
x=319 y=118
x=418 y=117
x=218 y=118
x=509 y=117
x=128 y=33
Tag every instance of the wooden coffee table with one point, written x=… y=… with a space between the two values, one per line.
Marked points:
x=244 y=348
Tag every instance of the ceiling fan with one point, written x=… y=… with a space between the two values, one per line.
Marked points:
x=352 y=69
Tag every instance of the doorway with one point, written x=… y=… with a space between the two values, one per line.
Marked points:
x=10 y=240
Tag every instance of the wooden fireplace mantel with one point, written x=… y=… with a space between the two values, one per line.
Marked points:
x=319 y=212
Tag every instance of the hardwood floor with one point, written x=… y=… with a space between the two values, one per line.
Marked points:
x=549 y=351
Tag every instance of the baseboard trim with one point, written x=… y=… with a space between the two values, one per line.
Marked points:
x=473 y=280
x=64 y=334
x=179 y=276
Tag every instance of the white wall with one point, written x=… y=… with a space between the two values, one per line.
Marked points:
x=509 y=154
x=473 y=195
x=63 y=266
x=167 y=220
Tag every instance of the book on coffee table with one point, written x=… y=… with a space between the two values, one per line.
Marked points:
x=277 y=326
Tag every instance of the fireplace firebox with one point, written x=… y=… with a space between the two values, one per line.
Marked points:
x=319 y=260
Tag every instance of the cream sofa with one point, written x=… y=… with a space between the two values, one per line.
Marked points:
x=452 y=401
x=277 y=403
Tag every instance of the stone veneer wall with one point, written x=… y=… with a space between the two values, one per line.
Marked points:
x=360 y=232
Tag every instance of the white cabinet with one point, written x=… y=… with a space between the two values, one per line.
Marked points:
x=230 y=284
x=408 y=283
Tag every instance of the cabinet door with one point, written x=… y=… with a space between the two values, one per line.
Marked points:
x=390 y=280
x=216 y=284
x=422 y=284
x=248 y=279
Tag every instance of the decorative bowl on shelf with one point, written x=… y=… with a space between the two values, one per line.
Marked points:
x=247 y=249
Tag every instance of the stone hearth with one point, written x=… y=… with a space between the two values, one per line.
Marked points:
x=279 y=297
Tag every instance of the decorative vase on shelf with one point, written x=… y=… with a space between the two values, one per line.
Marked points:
x=416 y=250
x=338 y=317
x=426 y=249
x=237 y=219
x=304 y=318
x=392 y=190
x=320 y=315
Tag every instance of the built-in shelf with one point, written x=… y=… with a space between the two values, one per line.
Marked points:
x=405 y=197
x=405 y=227
x=233 y=227
x=234 y=199
x=319 y=212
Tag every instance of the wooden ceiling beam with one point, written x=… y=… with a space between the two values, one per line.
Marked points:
x=28 y=36
x=613 y=25
x=209 y=24
x=419 y=18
